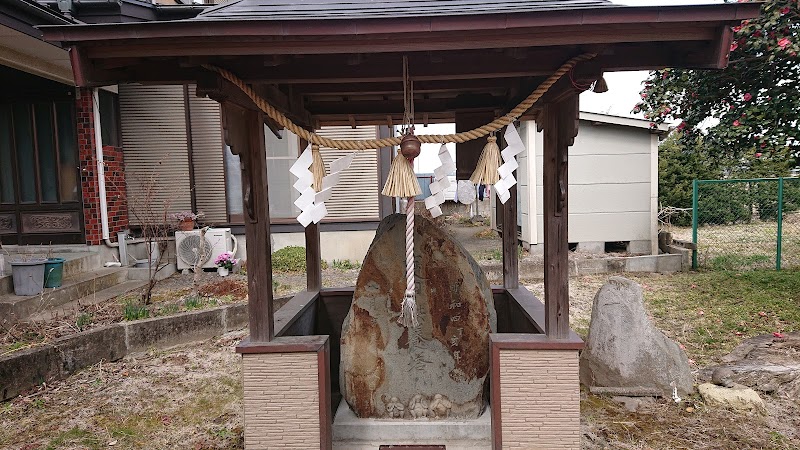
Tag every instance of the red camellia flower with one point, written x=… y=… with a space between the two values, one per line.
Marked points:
x=682 y=126
x=747 y=97
x=734 y=46
x=758 y=155
x=736 y=123
x=785 y=10
x=784 y=42
x=737 y=29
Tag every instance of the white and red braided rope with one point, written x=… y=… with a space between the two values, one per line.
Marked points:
x=408 y=310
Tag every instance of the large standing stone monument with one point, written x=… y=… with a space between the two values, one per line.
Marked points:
x=624 y=350
x=438 y=369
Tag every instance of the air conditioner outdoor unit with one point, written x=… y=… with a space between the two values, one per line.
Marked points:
x=194 y=248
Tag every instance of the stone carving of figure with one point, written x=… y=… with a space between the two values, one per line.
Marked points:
x=418 y=407
x=395 y=409
x=440 y=406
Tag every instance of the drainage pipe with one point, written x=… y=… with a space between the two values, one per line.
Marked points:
x=101 y=168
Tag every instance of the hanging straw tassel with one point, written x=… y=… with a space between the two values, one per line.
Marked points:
x=402 y=182
x=408 y=309
x=486 y=170
x=317 y=167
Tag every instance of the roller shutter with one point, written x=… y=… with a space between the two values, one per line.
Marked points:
x=356 y=196
x=207 y=158
x=153 y=120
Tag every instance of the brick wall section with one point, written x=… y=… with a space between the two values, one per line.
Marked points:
x=540 y=399
x=281 y=401
x=114 y=171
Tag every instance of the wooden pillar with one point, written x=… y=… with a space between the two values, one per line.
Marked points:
x=510 y=242
x=244 y=133
x=560 y=128
x=313 y=250
x=468 y=153
x=313 y=258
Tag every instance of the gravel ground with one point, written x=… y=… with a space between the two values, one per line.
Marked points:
x=191 y=396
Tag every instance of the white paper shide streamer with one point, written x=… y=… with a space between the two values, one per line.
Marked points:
x=506 y=171
x=440 y=183
x=311 y=202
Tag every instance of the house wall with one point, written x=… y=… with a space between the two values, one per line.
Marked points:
x=613 y=187
x=114 y=164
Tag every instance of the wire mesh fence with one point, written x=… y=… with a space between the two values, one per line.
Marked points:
x=746 y=224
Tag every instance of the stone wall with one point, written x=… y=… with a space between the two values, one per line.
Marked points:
x=540 y=399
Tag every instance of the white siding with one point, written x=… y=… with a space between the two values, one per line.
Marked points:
x=610 y=184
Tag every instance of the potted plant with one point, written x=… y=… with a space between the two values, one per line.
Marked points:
x=186 y=219
x=225 y=262
x=28 y=275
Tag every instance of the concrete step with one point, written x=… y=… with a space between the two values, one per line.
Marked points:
x=72 y=307
x=15 y=308
x=449 y=445
x=353 y=433
x=76 y=263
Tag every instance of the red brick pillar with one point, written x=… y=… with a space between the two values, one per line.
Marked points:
x=114 y=176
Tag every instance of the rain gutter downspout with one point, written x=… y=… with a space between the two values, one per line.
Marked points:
x=101 y=168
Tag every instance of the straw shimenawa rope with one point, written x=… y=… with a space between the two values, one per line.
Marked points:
x=371 y=144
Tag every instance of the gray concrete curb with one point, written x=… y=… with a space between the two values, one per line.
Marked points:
x=663 y=263
x=25 y=369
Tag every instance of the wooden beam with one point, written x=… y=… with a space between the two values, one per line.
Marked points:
x=217 y=88
x=581 y=34
x=244 y=133
x=357 y=107
x=560 y=127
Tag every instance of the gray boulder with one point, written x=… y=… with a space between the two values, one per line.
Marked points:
x=625 y=350
x=438 y=369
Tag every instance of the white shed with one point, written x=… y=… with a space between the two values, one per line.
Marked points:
x=613 y=192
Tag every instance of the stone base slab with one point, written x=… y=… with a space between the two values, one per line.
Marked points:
x=353 y=433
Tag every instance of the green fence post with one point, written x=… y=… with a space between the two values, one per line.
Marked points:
x=780 y=225
x=694 y=224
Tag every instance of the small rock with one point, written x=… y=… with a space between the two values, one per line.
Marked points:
x=738 y=398
x=630 y=403
x=722 y=376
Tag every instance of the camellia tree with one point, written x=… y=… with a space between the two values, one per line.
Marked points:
x=749 y=109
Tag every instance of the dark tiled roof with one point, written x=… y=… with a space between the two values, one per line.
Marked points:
x=381 y=9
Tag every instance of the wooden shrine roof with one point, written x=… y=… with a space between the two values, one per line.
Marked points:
x=473 y=57
x=379 y=9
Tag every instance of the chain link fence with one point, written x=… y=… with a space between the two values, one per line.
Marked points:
x=746 y=224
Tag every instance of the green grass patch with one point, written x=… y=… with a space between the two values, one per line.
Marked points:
x=712 y=312
x=291 y=259
x=193 y=302
x=73 y=437
x=83 y=320
x=134 y=311
x=345 y=264
x=740 y=262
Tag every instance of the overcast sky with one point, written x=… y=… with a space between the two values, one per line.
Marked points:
x=624 y=87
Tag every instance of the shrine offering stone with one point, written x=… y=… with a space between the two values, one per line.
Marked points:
x=437 y=369
x=625 y=350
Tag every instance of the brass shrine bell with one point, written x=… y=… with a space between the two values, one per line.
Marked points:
x=410 y=145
